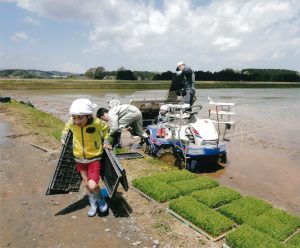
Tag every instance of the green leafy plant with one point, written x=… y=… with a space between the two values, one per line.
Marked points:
x=247 y=237
x=174 y=176
x=294 y=242
x=200 y=215
x=276 y=223
x=216 y=197
x=188 y=186
x=244 y=209
x=158 y=190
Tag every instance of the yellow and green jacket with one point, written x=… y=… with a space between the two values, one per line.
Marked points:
x=88 y=140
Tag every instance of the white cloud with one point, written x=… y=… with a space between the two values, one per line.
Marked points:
x=19 y=36
x=219 y=34
x=31 y=21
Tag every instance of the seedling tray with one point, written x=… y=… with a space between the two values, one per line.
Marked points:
x=244 y=209
x=155 y=189
x=216 y=197
x=201 y=216
x=129 y=155
x=113 y=173
x=276 y=223
x=247 y=237
x=197 y=229
x=174 y=176
x=188 y=186
x=65 y=178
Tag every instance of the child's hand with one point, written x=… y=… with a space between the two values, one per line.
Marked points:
x=108 y=146
x=63 y=142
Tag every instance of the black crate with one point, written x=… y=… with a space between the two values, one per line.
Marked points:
x=66 y=178
x=113 y=173
x=129 y=155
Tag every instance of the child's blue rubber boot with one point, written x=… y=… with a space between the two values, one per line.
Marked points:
x=102 y=205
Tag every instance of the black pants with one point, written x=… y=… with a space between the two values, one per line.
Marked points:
x=189 y=97
x=116 y=140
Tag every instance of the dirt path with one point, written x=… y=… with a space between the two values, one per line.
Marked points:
x=31 y=219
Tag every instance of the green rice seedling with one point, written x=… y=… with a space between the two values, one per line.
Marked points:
x=201 y=216
x=244 y=209
x=294 y=242
x=276 y=223
x=188 y=186
x=216 y=197
x=247 y=237
x=174 y=176
x=159 y=191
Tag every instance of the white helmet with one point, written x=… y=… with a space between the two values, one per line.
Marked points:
x=113 y=103
x=180 y=63
x=82 y=106
x=164 y=107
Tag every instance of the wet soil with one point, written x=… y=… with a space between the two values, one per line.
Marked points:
x=32 y=219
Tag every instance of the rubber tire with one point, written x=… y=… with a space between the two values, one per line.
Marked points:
x=167 y=156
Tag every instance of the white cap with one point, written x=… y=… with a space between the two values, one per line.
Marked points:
x=180 y=63
x=82 y=106
x=164 y=107
x=114 y=103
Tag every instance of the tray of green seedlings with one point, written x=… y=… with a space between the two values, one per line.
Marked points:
x=244 y=209
x=216 y=197
x=294 y=242
x=157 y=190
x=188 y=186
x=247 y=237
x=200 y=217
x=276 y=223
x=174 y=176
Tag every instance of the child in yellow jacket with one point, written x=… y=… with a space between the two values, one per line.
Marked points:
x=90 y=136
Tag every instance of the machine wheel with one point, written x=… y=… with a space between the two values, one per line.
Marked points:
x=167 y=156
x=223 y=159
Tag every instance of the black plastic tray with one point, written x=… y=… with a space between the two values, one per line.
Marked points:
x=129 y=155
x=66 y=178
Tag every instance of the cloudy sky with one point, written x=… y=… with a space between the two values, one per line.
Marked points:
x=74 y=35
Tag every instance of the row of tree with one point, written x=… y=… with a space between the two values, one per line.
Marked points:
x=120 y=74
x=265 y=75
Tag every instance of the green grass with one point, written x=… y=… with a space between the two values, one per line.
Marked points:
x=174 y=176
x=247 y=237
x=276 y=223
x=26 y=84
x=35 y=120
x=216 y=197
x=294 y=242
x=244 y=209
x=188 y=186
x=157 y=190
x=200 y=215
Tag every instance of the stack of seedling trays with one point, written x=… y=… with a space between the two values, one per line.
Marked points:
x=219 y=212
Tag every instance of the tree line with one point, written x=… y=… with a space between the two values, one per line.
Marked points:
x=263 y=75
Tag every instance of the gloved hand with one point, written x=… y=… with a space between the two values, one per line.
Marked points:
x=179 y=73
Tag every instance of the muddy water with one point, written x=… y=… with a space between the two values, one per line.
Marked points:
x=264 y=151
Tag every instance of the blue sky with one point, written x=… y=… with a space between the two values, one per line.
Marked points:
x=74 y=35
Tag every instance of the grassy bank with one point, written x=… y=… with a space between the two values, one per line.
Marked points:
x=32 y=84
x=33 y=120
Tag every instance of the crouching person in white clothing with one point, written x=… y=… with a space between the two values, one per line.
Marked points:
x=122 y=116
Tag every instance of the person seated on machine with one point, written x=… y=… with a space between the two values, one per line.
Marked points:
x=161 y=120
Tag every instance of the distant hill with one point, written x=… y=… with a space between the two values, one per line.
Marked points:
x=18 y=73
